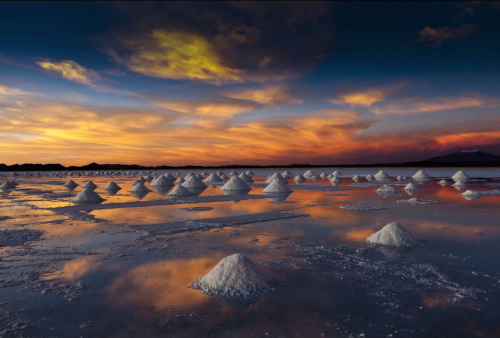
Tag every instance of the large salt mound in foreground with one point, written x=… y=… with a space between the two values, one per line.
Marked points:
x=236 y=276
x=393 y=234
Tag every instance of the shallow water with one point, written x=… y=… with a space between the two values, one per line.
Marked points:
x=97 y=272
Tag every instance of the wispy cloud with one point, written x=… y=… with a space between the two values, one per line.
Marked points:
x=268 y=95
x=436 y=36
x=366 y=97
x=70 y=70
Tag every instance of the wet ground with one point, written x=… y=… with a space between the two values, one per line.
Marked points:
x=123 y=268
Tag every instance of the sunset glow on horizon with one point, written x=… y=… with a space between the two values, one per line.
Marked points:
x=247 y=83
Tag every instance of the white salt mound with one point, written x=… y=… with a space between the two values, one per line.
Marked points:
x=411 y=187
x=213 y=178
x=179 y=181
x=224 y=177
x=460 y=176
x=236 y=276
x=387 y=189
x=370 y=177
x=277 y=187
x=336 y=173
x=233 y=173
x=250 y=173
x=70 y=184
x=335 y=180
x=112 y=186
x=235 y=184
x=245 y=178
x=276 y=176
x=421 y=175
x=443 y=182
x=140 y=188
x=169 y=176
x=90 y=185
x=87 y=196
x=161 y=181
x=382 y=175
x=7 y=185
x=299 y=178
x=356 y=178
x=286 y=174
x=180 y=191
x=309 y=174
x=393 y=234
x=399 y=178
x=470 y=193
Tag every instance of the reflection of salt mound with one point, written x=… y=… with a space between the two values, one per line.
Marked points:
x=236 y=276
x=299 y=178
x=276 y=176
x=471 y=195
x=70 y=184
x=411 y=187
x=180 y=191
x=112 y=186
x=443 y=182
x=90 y=185
x=387 y=190
x=193 y=182
x=382 y=175
x=235 y=184
x=277 y=187
x=460 y=176
x=421 y=175
x=87 y=196
x=161 y=181
x=213 y=178
x=336 y=173
x=393 y=234
x=278 y=198
x=309 y=174
x=459 y=185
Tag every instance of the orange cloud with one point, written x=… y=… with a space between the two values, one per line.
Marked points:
x=70 y=70
x=436 y=36
x=366 y=98
x=269 y=95
x=422 y=105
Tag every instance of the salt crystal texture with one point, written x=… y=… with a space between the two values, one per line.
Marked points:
x=393 y=234
x=236 y=276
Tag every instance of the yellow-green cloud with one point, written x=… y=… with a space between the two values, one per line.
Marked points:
x=70 y=70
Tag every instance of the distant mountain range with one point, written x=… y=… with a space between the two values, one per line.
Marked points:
x=464 y=158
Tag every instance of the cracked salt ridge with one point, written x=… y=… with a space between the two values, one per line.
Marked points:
x=19 y=237
x=381 y=278
x=170 y=228
x=360 y=207
x=171 y=201
x=416 y=201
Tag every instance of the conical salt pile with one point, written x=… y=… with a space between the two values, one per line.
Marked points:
x=193 y=182
x=421 y=175
x=245 y=178
x=299 y=178
x=141 y=179
x=443 y=182
x=459 y=185
x=309 y=174
x=336 y=173
x=140 y=188
x=399 y=178
x=224 y=177
x=87 y=196
x=180 y=191
x=471 y=193
x=387 y=190
x=135 y=182
x=276 y=176
x=169 y=176
x=7 y=185
x=213 y=178
x=204 y=174
x=90 y=185
x=356 y=178
x=335 y=180
x=148 y=178
x=235 y=184
x=411 y=187
x=323 y=175
x=250 y=173
x=393 y=234
x=189 y=175
x=286 y=174
x=233 y=173
x=219 y=173
x=112 y=186
x=277 y=187
x=161 y=181
x=370 y=177
x=382 y=175
x=236 y=276
x=460 y=176
x=70 y=184
x=179 y=181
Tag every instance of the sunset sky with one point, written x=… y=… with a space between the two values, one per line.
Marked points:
x=247 y=83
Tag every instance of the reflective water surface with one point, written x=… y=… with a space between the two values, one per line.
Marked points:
x=96 y=272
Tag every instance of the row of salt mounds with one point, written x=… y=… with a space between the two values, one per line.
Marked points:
x=393 y=234
x=421 y=175
x=87 y=196
x=460 y=176
x=236 y=276
x=382 y=175
x=235 y=184
x=277 y=187
x=213 y=178
x=193 y=182
x=161 y=181
x=180 y=191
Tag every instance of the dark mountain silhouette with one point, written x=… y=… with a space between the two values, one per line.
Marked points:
x=466 y=156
